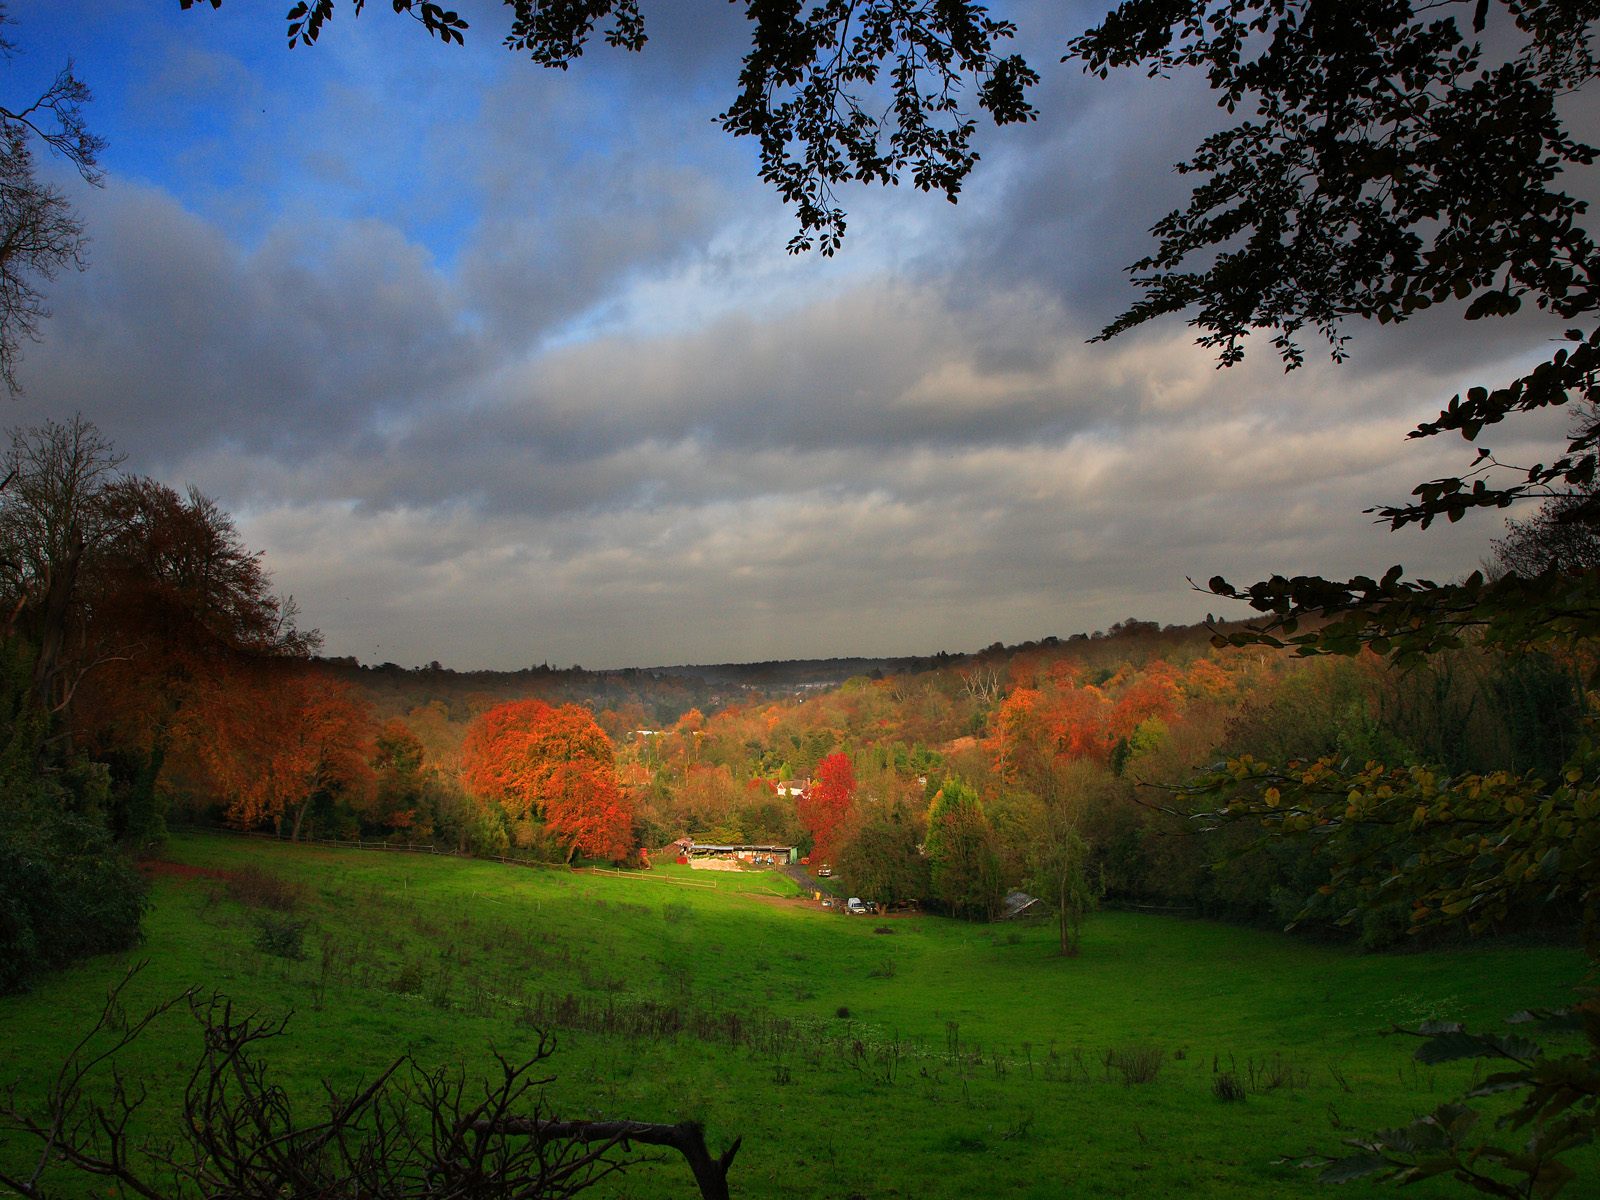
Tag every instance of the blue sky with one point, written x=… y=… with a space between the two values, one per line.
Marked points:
x=501 y=365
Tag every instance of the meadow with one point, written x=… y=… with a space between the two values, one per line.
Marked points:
x=855 y=1056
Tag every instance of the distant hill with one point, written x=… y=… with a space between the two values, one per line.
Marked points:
x=658 y=696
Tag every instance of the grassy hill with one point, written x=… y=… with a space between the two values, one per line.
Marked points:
x=856 y=1056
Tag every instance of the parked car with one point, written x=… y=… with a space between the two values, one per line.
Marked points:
x=824 y=872
x=855 y=907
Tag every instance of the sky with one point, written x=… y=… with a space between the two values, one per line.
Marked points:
x=501 y=366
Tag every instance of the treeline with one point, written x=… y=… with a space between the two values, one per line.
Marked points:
x=1061 y=769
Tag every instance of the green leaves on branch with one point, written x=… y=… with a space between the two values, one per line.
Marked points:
x=1472 y=849
x=1407 y=620
x=1557 y=1108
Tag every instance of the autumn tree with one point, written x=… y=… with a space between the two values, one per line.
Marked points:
x=553 y=764
x=270 y=740
x=172 y=595
x=825 y=806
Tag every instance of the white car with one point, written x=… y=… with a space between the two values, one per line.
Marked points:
x=854 y=906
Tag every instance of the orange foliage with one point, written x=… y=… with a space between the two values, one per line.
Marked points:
x=1154 y=692
x=554 y=763
x=269 y=741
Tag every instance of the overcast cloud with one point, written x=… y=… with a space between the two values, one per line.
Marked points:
x=502 y=366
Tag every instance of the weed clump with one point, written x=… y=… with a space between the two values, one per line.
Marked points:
x=1136 y=1064
x=1228 y=1088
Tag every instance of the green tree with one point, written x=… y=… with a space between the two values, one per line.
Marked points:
x=963 y=862
x=883 y=860
x=1058 y=871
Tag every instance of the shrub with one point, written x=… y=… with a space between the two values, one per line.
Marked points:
x=256 y=888
x=281 y=937
x=1228 y=1088
x=1136 y=1064
x=65 y=893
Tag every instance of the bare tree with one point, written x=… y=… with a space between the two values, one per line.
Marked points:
x=39 y=231
x=409 y=1134
x=51 y=516
x=1564 y=534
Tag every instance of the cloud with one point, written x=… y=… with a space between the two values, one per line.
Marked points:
x=534 y=380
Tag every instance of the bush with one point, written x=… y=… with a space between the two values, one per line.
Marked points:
x=1228 y=1088
x=255 y=888
x=1136 y=1064
x=65 y=893
x=281 y=937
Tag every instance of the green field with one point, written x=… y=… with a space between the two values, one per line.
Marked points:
x=910 y=1056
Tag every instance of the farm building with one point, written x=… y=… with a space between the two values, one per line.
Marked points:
x=754 y=855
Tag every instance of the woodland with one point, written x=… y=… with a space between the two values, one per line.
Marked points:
x=1384 y=761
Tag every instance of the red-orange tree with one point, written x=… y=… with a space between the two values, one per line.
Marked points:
x=269 y=741
x=556 y=764
x=824 y=808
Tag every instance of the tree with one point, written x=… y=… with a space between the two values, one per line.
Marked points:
x=39 y=232
x=172 y=595
x=964 y=866
x=824 y=807
x=53 y=516
x=1058 y=870
x=270 y=740
x=1563 y=536
x=400 y=793
x=883 y=859
x=556 y=764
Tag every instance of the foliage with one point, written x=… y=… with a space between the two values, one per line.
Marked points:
x=882 y=861
x=1559 y=1108
x=963 y=865
x=825 y=806
x=531 y=760
x=65 y=890
x=270 y=740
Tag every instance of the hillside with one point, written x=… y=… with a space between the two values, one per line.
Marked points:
x=913 y=1057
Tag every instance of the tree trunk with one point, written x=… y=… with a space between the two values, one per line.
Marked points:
x=688 y=1138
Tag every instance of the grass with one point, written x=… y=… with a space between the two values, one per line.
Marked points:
x=969 y=1061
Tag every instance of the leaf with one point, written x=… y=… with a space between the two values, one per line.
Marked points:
x=1354 y=1166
